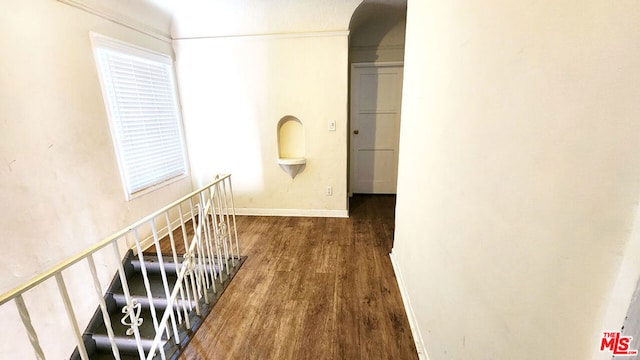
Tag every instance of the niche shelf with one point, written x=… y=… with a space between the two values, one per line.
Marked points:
x=291 y=145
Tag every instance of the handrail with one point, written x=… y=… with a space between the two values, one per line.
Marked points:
x=11 y=294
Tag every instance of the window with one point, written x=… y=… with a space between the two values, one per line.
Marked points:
x=140 y=96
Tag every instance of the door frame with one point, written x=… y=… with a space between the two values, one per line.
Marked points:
x=382 y=64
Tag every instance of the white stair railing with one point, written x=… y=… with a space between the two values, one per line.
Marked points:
x=205 y=220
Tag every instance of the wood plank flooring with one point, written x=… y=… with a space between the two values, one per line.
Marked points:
x=311 y=288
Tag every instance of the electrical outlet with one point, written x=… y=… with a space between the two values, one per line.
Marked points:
x=332 y=125
x=329 y=191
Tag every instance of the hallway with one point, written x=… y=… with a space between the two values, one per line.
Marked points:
x=312 y=288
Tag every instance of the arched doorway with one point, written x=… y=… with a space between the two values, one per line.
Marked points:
x=376 y=54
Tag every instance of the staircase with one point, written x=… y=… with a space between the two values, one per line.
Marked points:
x=172 y=266
x=96 y=338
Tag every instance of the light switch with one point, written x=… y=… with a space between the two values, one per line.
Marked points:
x=332 y=125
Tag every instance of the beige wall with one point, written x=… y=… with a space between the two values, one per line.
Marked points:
x=244 y=66
x=234 y=92
x=60 y=188
x=519 y=167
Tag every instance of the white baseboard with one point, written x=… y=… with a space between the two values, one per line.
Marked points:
x=293 y=212
x=413 y=323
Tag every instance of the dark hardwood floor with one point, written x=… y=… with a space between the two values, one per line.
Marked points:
x=311 y=288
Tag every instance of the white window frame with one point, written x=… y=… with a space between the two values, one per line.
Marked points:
x=103 y=43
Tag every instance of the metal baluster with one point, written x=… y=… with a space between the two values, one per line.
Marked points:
x=103 y=307
x=201 y=256
x=222 y=235
x=165 y=282
x=202 y=260
x=158 y=337
x=127 y=296
x=147 y=286
x=173 y=253
x=233 y=212
x=31 y=332
x=214 y=229
x=227 y=227
x=216 y=225
x=72 y=316
x=207 y=230
x=187 y=255
x=228 y=222
x=175 y=261
x=198 y=258
x=193 y=256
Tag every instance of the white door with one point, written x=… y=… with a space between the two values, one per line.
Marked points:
x=376 y=97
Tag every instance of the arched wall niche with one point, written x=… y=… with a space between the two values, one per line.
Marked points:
x=291 y=145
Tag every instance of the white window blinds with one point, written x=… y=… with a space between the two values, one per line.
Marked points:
x=139 y=92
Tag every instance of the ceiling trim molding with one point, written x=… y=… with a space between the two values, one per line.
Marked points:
x=119 y=19
x=343 y=33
